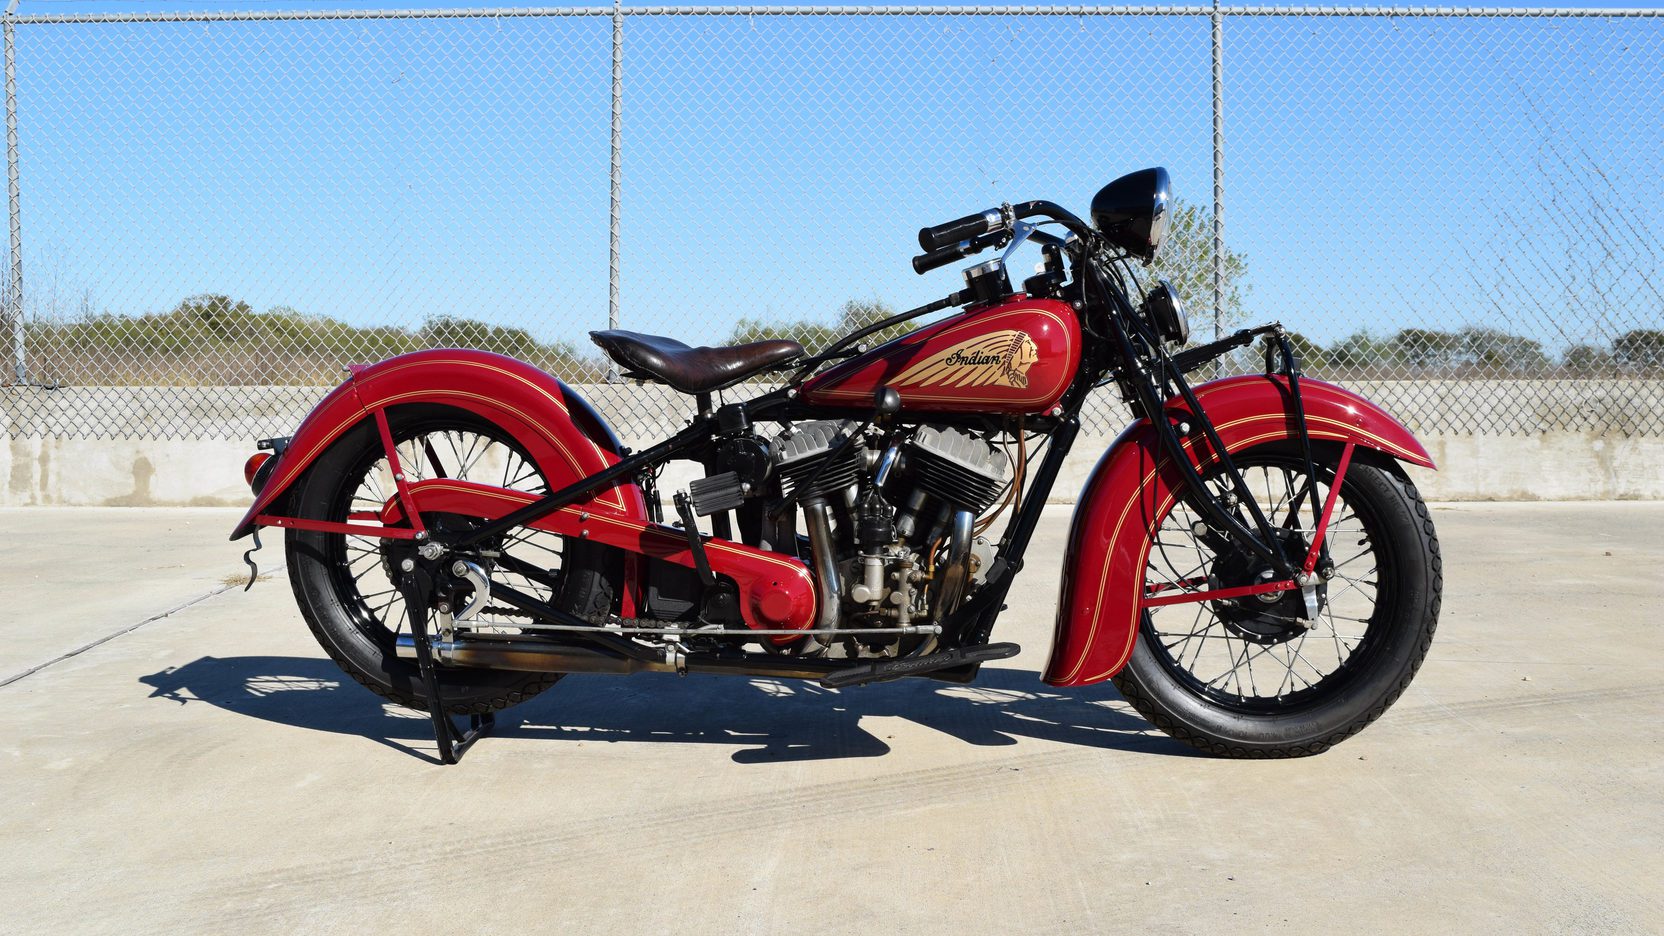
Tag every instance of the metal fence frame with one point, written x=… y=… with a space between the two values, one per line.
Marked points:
x=1216 y=13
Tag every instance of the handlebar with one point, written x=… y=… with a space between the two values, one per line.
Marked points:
x=945 y=243
x=953 y=232
x=924 y=263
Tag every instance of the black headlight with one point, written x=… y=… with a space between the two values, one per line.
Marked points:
x=1132 y=212
x=1165 y=313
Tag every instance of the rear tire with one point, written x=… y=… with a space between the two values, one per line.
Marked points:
x=343 y=587
x=1307 y=707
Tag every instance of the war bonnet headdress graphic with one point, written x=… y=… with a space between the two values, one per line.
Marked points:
x=1000 y=358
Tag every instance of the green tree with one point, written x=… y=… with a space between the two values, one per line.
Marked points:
x=817 y=336
x=1493 y=349
x=1359 y=350
x=219 y=315
x=1640 y=349
x=1310 y=353
x=445 y=331
x=559 y=358
x=1587 y=360
x=1186 y=261
x=1426 y=349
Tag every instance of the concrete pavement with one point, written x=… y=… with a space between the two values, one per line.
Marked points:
x=211 y=771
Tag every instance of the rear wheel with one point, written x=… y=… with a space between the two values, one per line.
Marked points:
x=1252 y=677
x=345 y=585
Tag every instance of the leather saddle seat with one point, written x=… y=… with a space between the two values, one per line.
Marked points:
x=692 y=370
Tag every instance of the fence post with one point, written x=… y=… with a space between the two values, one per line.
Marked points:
x=617 y=168
x=14 y=295
x=1218 y=171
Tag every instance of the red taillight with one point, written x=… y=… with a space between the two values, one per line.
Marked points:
x=251 y=470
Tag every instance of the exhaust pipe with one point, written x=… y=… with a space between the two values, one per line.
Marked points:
x=534 y=657
x=955 y=571
x=826 y=567
x=527 y=657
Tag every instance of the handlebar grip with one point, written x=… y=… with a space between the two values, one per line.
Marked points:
x=924 y=263
x=942 y=235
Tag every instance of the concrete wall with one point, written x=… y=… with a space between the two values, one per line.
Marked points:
x=1561 y=462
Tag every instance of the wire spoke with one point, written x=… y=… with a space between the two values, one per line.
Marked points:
x=1261 y=654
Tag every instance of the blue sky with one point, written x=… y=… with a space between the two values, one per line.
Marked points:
x=1380 y=173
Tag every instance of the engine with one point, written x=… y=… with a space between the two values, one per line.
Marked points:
x=890 y=520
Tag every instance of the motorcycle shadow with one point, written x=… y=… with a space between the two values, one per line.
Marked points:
x=769 y=720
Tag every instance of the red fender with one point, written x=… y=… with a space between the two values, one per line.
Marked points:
x=776 y=591
x=1132 y=489
x=559 y=429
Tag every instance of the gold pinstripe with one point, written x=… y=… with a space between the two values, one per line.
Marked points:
x=977 y=321
x=616 y=496
x=1346 y=430
x=468 y=362
x=571 y=460
x=294 y=467
x=794 y=567
x=297 y=466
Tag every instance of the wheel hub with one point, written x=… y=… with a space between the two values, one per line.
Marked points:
x=1268 y=618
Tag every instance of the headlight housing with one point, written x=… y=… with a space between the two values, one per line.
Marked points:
x=1165 y=312
x=1132 y=212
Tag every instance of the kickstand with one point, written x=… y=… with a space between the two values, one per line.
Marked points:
x=417 y=588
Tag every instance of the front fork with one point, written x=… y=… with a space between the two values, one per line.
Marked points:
x=1314 y=569
x=1304 y=573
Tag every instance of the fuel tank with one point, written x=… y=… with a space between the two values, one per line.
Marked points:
x=1014 y=357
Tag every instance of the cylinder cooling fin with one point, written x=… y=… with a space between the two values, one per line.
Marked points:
x=801 y=458
x=957 y=466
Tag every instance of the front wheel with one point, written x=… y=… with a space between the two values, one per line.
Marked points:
x=1253 y=677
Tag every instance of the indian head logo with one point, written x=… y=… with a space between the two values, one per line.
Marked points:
x=996 y=359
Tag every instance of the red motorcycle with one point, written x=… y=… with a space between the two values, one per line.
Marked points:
x=1248 y=562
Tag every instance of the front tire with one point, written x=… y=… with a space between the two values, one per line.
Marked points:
x=1193 y=672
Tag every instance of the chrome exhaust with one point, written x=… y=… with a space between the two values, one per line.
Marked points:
x=528 y=657
x=954 y=574
x=826 y=566
x=535 y=657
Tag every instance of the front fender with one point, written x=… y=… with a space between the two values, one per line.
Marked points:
x=1134 y=486
x=558 y=428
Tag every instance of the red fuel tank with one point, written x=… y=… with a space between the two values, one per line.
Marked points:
x=1015 y=357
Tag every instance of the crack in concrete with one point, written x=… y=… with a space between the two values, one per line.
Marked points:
x=214 y=592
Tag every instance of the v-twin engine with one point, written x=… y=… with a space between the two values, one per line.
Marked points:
x=890 y=520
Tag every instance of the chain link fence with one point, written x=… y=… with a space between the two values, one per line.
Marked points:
x=1456 y=210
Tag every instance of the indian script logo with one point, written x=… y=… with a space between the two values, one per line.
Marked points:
x=999 y=359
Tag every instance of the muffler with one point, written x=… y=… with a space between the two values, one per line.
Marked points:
x=536 y=657
x=526 y=656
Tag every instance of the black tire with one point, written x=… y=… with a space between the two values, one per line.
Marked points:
x=1314 y=714
x=344 y=597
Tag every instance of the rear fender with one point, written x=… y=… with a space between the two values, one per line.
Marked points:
x=1134 y=486
x=557 y=427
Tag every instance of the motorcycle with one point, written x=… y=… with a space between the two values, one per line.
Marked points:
x=1249 y=561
